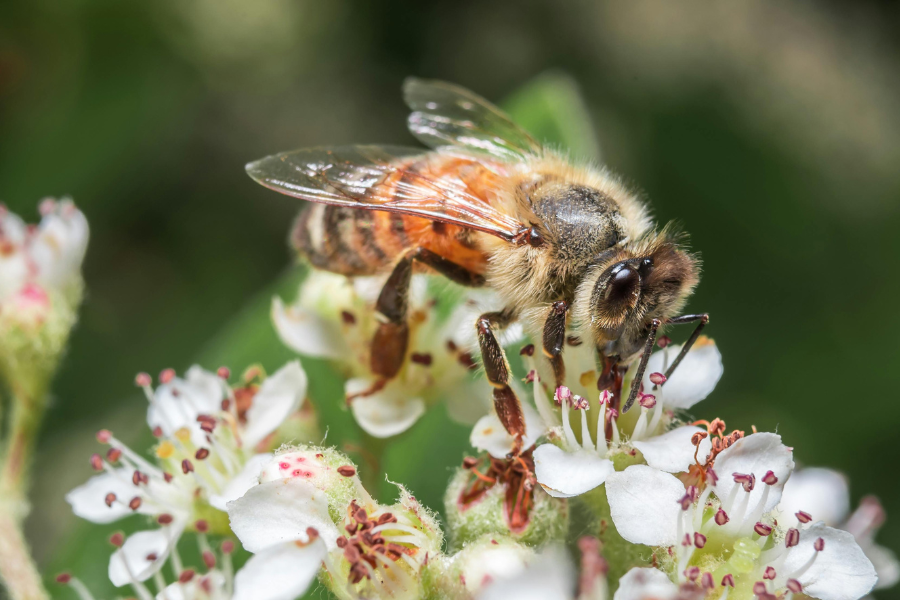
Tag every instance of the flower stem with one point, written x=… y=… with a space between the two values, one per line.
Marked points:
x=17 y=569
x=25 y=422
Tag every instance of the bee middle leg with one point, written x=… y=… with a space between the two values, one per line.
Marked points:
x=497 y=371
x=554 y=339
x=391 y=340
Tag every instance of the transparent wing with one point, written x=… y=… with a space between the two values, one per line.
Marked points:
x=448 y=115
x=393 y=179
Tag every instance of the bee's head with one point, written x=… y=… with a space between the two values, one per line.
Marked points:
x=626 y=288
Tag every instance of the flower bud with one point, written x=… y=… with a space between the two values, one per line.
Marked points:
x=325 y=468
x=40 y=291
x=513 y=506
x=482 y=561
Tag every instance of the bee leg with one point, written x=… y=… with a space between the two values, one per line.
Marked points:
x=648 y=346
x=496 y=368
x=642 y=366
x=704 y=319
x=555 y=339
x=448 y=269
x=391 y=339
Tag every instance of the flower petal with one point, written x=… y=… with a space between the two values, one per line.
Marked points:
x=206 y=390
x=822 y=493
x=280 y=572
x=840 y=572
x=548 y=577
x=280 y=511
x=693 y=380
x=887 y=567
x=280 y=395
x=177 y=404
x=757 y=453
x=307 y=333
x=644 y=505
x=385 y=413
x=490 y=435
x=672 y=451
x=644 y=584
x=240 y=483
x=130 y=562
x=565 y=474
x=88 y=500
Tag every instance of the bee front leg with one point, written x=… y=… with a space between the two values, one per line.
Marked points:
x=648 y=347
x=704 y=319
x=496 y=368
x=555 y=339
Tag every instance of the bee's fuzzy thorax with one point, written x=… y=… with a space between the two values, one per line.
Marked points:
x=540 y=193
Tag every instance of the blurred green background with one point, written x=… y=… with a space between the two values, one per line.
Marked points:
x=770 y=130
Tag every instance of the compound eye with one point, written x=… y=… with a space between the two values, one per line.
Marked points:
x=623 y=285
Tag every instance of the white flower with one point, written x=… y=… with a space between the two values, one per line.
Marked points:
x=480 y=563
x=582 y=458
x=822 y=495
x=209 y=435
x=294 y=524
x=728 y=527
x=550 y=575
x=143 y=555
x=693 y=380
x=334 y=318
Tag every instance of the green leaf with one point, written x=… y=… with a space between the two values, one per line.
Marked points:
x=550 y=106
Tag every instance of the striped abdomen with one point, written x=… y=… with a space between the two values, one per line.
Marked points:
x=359 y=241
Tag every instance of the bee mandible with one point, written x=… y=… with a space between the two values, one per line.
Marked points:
x=567 y=247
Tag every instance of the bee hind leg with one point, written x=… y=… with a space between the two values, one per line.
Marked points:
x=391 y=340
x=497 y=371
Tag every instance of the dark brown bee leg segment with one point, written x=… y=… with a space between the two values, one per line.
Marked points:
x=496 y=368
x=555 y=338
x=391 y=340
x=642 y=366
x=448 y=269
x=704 y=319
x=392 y=337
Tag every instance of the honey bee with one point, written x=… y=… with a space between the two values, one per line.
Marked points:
x=567 y=247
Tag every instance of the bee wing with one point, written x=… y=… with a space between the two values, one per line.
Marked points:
x=448 y=115
x=378 y=178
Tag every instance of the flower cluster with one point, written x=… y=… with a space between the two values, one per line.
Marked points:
x=212 y=441
x=660 y=505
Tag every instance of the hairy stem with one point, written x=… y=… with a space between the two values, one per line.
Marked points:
x=17 y=569
x=25 y=422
